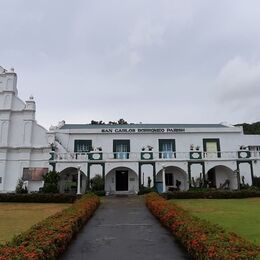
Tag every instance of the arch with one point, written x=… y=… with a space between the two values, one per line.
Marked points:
x=69 y=179
x=121 y=180
x=221 y=177
x=175 y=178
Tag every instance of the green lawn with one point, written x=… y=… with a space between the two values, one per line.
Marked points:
x=18 y=217
x=241 y=216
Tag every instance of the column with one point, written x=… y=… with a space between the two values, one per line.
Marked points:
x=78 y=183
x=163 y=179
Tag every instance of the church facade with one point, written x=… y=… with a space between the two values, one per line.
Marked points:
x=24 y=148
x=127 y=157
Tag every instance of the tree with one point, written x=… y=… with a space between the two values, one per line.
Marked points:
x=51 y=182
x=121 y=121
x=253 y=128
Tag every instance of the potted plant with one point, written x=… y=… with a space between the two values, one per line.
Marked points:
x=143 y=148
x=191 y=147
x=150 y=148
x=197 y=148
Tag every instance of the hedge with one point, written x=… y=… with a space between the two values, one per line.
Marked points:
x=201 y=239
x=49 y=238
x=38 y=197
x=211 y=194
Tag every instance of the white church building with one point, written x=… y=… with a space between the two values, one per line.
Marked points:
x=127 y=157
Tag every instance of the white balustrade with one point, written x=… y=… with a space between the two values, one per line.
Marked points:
x=161 y=156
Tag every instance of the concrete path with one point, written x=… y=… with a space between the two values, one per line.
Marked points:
x=123 y=229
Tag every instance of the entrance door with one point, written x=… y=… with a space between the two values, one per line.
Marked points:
x=122 y=180
x=212 y=178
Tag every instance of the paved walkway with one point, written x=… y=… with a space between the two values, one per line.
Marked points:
x=123 y=229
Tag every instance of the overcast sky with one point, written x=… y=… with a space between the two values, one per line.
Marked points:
x=167 y=61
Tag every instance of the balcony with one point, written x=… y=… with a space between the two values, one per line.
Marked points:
x=157 y=156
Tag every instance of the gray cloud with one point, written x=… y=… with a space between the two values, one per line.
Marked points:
x=168 y=61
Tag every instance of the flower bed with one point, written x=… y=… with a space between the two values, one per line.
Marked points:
x=49 y=238
x=201 y=239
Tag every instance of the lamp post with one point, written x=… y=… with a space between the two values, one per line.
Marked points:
x=78 y=183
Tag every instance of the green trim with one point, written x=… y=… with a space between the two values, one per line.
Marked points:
x=88 y=173
x=189 y=171
x=164 y=141
x=196 y=158
x=140 y=173
x=148 y=153
x=215 y=140
x=251 y=169
x=248 y=154
x=90 y=156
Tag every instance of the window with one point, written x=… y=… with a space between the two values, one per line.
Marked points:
x=166 y=148
x=121 y=149
x=0 y=179
x=82 y=146
x=255 y=150
x=169 y=179
x=211 y=148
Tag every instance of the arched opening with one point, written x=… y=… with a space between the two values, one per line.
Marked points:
x=69 y=179
x=121 y=180
x=175 y=179
x=221 y=177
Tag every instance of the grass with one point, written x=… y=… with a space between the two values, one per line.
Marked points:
x=241 y=216
x=18 y=217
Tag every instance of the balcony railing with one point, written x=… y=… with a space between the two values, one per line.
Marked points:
x=149 y=155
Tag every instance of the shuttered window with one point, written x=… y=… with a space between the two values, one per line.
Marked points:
x=211 y=148
x=121 y=149
x=166 y=148
x=82 y=146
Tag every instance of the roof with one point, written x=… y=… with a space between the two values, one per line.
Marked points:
x=90 y=126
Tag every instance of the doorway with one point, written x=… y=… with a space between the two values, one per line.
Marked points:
x=212 y=178
x=121 y=180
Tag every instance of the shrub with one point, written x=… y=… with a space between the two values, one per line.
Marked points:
x=38 y=197
x=256 y=181
x=145 y=190
x=201 y=239
x=100 y=193
x=20 y=188
x=50 y=182
x=49 y=238
x=212 y=194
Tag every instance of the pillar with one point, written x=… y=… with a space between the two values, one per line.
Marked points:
x=78 y=183
x=163 y=179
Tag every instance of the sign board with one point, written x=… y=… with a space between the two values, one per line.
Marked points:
x=34 y=174
x=142 y=130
